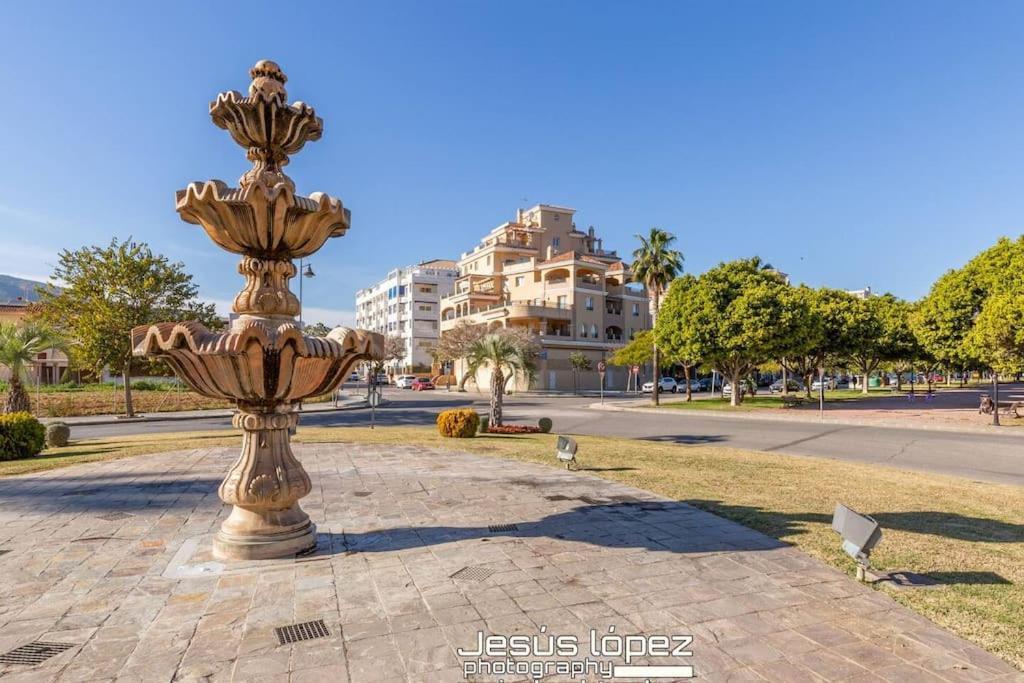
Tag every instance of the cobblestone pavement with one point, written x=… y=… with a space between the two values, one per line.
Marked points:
x=113 y=559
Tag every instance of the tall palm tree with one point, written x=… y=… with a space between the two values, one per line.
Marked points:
x=503 y=354
x=656 y=264
x=19 y=346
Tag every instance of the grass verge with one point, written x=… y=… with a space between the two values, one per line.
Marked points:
x=968 y=536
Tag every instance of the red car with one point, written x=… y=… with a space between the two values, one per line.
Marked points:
x=421 y=384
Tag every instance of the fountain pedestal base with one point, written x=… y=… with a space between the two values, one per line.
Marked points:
x=264 y=486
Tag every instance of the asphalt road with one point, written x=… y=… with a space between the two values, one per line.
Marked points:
x=982 y=457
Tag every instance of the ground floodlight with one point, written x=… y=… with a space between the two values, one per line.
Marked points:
x=566 y=450
x=860 y=535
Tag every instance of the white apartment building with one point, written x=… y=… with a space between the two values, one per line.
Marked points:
x=406 y=304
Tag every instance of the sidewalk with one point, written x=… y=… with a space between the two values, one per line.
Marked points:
x=834 y=415
x=345 y=402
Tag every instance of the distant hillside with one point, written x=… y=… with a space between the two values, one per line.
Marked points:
x=11 y=288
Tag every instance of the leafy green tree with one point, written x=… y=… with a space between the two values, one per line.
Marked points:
x=20 y=345
x=105 y=292
x=733 y=317
x=879 y=331
x=656 y=264
x=997 y=337
x=580 y=363
x=508 y=354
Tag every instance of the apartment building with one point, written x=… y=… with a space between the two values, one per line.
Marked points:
x=540 y=272
x=406 y=304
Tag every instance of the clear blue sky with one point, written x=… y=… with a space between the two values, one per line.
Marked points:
x=850 y=144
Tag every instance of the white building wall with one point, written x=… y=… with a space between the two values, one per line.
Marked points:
x=406 y=304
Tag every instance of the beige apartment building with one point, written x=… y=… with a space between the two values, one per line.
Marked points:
x=540 y=272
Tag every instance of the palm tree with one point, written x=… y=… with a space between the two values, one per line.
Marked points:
x=19 y=346
x=655 y=264
x=502 y=353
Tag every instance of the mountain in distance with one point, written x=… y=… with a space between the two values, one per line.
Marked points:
x=13 y=289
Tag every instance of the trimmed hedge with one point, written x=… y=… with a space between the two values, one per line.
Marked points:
x=458 y=424
x=21 y=436
x=57 y=434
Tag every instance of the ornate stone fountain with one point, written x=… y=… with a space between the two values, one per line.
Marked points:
x=263 y=362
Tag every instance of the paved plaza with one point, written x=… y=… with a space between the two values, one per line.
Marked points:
x=419 y=551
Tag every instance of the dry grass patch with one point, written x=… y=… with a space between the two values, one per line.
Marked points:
x=967 y=535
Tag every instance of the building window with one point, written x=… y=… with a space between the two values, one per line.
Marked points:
x=519 y=280
x=583 y=330
x=555 y=241
x=488 y=259
x=561 y=300
x=593 y=331
x=636 y=309
x=590 y=303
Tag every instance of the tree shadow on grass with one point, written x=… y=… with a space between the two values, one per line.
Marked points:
x=686 y=439
x=944 y=524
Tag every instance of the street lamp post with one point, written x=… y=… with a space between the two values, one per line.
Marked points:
x=303 y=273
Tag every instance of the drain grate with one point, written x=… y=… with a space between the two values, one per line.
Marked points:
x=34 y=653
x=503 y=527
x=362 y=494
x=473 y=573
x=308 y=630
x=113 y=516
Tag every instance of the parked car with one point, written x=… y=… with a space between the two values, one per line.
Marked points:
x=354 y=377
x=705 y=384
x=422 y=384
x=830 y=384
x=665 y=385
x=382 y=378
x=791 y=384
x=694 y=385
x=404 y=381
x=727 y=389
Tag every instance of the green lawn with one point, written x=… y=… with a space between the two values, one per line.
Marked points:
x=969 y=536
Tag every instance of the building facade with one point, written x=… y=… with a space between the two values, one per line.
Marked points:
x=542 y=273
x=406 y=304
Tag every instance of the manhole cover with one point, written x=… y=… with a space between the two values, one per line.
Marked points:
x=113 y=516
x=309 y=630
x=503 y=527
x=34 y=653
x=473 y=573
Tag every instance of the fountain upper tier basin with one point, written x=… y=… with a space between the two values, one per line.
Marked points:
x=259 y=362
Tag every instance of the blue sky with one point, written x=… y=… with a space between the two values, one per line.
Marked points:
x=849 y=144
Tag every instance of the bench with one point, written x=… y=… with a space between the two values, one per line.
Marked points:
x=792 y=401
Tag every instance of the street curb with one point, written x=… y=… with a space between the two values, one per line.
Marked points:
x=989 y=430
x=90 y=421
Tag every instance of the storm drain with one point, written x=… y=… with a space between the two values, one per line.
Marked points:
x=113 y=516
x=473 y=573
x=308 y=630
x=4 y=552
x=503 y=527
x=362 y=494
x=34 y=653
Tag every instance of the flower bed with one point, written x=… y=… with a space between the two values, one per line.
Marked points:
x=513 y=429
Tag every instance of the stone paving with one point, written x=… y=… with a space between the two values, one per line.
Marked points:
x=113 y=559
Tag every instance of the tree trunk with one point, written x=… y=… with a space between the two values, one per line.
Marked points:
x=899 y=381
x=864 y=379
x=17 y=398
x=497 y=391
x=808 y=379
x=686 y=374
x=129 y=410
x=737 y=390
x=785 y=379
x=657 y=376
x=995 y=398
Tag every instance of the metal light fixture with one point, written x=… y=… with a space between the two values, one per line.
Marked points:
x=860 y=534
x=566 y=450
x=308 y=272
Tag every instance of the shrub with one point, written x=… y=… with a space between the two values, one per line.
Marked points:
x=545 y=424
x=485 y=422
x=57 y=434
x=514 y=429
x=458 y=424
x=21 y=436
